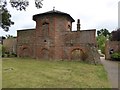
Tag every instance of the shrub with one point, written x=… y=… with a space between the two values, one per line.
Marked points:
x=115 y=56
x=7 y=54
x=2 y=50
x=13 y=55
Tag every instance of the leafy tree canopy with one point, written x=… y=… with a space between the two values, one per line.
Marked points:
x=101 y=43
x=102 y=35
x=103 y=32
x=5 y=21
x=10 y=36
x=22 y=4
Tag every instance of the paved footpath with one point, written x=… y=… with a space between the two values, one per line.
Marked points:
x=112 y=68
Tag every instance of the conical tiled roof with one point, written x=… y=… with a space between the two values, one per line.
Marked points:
x=54 y=12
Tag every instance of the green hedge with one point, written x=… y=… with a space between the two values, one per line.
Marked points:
x=116 y=56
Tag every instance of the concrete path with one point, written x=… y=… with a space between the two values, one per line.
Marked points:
x=112 y=68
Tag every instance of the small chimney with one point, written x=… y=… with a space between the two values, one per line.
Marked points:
x=78 y=25
x=53 y=8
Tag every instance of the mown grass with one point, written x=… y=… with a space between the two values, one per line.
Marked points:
x=30 y=73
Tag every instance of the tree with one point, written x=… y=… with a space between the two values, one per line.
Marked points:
x=19 y=4
x=101 y=43
x=9 y=36
x=102 y=35
x=103 y=32
x=22 y=4
x=5 y=21
x=0 y=50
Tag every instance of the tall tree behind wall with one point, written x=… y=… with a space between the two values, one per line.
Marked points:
x=102 y=35
x=5 y=16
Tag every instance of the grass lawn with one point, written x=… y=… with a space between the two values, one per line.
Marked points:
x=30 y=73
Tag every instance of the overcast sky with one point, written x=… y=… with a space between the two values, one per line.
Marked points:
x=93 y=14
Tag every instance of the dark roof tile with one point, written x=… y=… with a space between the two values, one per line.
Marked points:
x=53 y=12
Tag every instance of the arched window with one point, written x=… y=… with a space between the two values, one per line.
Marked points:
x=45 y=53
x=25 y=52
x=78 y=54
x=45 y=29
x=69 y=28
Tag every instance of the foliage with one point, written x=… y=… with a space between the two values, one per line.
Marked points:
x=13 y=55
x=8 y=54
x=22 y=4
x=103 y=32
x=31 y=73
x=102 y=36
x=5 y=22
x=115 y=35
x=2 y=50
x=19 y=4
x=38 y=3
x=116 y=56
x=9 y=36
x=3 y=37
x=101 y=43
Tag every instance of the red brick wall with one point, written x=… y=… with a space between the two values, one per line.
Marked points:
x=53 y=39
x=10 y=45
x=115 y=45
x=59 y=39
x=26 y=43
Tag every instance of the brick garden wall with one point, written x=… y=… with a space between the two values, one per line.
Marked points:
x=115 y=45
x=53 y=38
x=10 y=45
x=26 y=43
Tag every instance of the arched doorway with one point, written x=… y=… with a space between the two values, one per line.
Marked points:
x=77 y=54
x=45 y=53
x=25 y=52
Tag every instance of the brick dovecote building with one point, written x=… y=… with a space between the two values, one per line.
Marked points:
x=53 y=38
